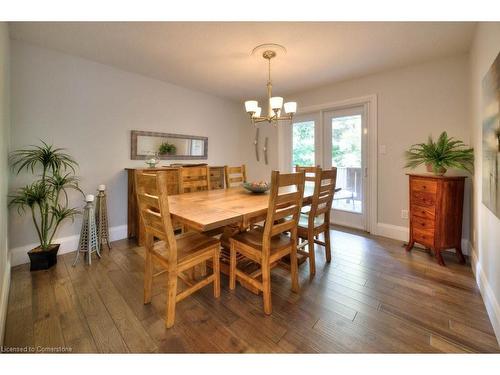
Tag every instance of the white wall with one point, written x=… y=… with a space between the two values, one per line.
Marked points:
x=486 y=226
x=413 y=103
x=90 y=108
x=4 y=172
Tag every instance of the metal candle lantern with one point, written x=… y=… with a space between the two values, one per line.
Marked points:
x=88 y=243
x=101 y=217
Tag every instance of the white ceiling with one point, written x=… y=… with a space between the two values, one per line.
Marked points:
x=214 y=57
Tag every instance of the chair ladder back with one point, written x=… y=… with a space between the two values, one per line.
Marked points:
x=152 y=200
x=193 y=179
x=309 y=171
x=324 y=189
x=284 y=209
x=235 y=176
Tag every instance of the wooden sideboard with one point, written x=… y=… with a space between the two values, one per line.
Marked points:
x=133 y=218
x=436 y=206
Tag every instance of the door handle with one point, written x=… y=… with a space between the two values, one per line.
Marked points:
x=366 y=171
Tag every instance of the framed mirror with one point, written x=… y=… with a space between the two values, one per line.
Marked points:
x=145 y=144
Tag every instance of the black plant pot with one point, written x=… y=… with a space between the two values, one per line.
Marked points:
x=43 y=259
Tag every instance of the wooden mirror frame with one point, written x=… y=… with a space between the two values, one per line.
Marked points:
x=136 y=133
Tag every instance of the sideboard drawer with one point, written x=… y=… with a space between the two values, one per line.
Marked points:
x=421 y=198
x=421 y=223
x=424 y=185
x=424 y=212
x=423 y=236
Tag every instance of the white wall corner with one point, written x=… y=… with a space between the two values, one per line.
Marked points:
x=4 y=299
x=68 y=244
x=489 y=298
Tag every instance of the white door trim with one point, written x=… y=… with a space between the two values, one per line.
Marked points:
x=370 y=102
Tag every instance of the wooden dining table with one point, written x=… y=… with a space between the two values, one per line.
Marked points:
x=208 y=210
x=231 y=210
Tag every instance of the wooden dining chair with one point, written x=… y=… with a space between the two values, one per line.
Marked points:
x=267 y=245
x=317 y=220
x=235 y=176
x=310 y=172
x=174 y=254
x=196 y=178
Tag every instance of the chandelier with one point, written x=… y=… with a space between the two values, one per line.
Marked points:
x=274 y=103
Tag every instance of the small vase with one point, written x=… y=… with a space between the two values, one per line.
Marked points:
x=430 y=168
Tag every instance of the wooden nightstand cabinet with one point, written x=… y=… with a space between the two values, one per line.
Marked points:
x=436 y=204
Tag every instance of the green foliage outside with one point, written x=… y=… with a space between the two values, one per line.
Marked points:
x=303 y=143
x=346 y=142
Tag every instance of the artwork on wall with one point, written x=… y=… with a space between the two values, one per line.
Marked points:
x=256 y=144
x=491 y=137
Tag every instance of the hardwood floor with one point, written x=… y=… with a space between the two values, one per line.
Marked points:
x=373 y=297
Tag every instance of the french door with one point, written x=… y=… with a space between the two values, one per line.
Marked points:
x=345 y=145
x=335 y=138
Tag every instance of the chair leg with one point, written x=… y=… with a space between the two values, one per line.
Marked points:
x=232 y=267
x=171 y=294
x=294 y=268
x=148 y=277
x=312 y=255
x=216 y=271
x=328 y=249
x=266 y=287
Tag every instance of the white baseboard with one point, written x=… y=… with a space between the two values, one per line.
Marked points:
x=4 y=299
x=395 y=232
x=19 y=255
x=489 y=298
x=400 y=233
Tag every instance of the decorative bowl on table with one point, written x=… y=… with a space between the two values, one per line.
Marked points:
x=257 y=187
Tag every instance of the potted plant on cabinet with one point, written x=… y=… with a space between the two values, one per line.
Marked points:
x=46 y=198
x=446 y=152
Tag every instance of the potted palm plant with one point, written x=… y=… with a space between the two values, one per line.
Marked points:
x=46 y=198
x=446 y=152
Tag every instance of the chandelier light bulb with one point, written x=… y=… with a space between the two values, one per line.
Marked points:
x=276 y=102
x=257 y=112
x=251 y=106
x=291 y=107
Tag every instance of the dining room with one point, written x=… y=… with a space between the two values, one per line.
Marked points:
x=249 y=187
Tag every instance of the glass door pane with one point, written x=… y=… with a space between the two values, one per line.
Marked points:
x=303 y=144
x=347 y=157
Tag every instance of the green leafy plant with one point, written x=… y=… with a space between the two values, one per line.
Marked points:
x=446 y=152
x=47 y=196
x=167 y=148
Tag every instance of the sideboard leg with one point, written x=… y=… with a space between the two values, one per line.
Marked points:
x=410 y=245
x=439 y=257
